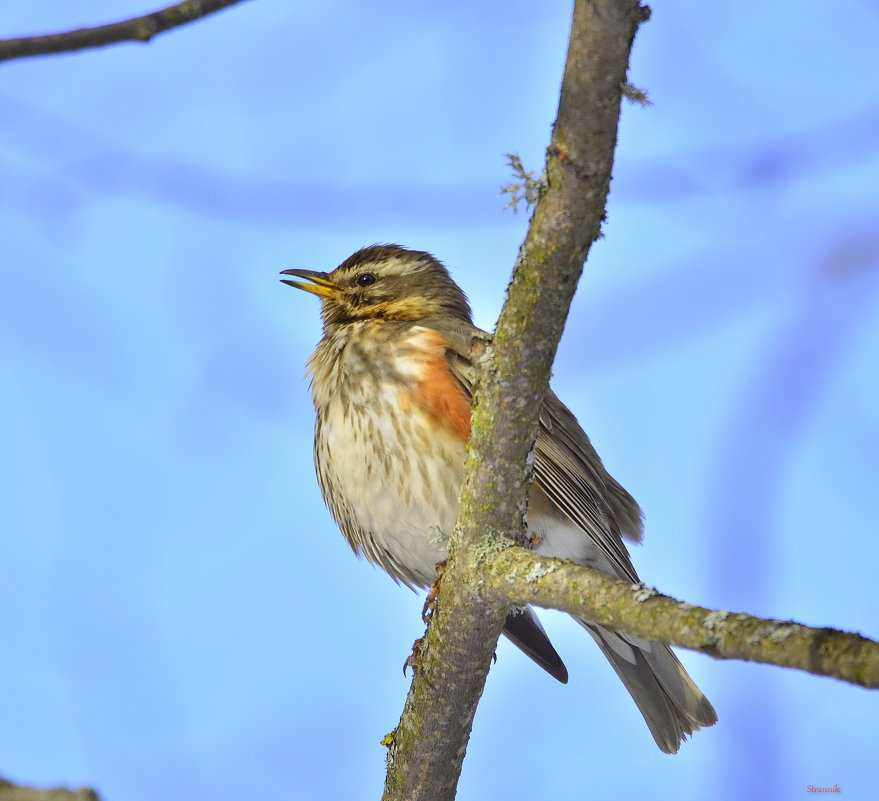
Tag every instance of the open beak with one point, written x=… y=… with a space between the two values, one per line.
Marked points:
x=320 y=282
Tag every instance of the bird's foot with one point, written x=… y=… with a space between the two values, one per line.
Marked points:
x=414 y=659
x=430 y=601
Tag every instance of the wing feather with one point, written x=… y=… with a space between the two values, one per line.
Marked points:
x=567 y=468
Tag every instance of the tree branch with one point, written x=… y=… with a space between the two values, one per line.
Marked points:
x=427 y=749
x=524 y=577
x=137 y=29
x=19 y=792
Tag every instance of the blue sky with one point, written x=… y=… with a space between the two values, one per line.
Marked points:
x=181 y=618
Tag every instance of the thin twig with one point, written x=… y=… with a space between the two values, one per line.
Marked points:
x=136 y=29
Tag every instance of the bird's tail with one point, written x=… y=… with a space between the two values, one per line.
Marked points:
x=525 y=631
x=671 y=703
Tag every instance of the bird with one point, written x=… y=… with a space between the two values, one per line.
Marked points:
x=392 y=380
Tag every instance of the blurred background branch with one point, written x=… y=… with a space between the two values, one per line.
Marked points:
x=19 y=792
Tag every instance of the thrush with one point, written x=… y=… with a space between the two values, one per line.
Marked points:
x=391 y=381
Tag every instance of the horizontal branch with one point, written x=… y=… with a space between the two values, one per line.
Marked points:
x=521 y=576
x=136 y=29
x=19 y=792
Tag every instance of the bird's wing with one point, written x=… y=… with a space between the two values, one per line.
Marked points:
x=571 y=475
x=567 y=469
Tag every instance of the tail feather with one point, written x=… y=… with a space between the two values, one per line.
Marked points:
x=524 y=630
x=671 y=703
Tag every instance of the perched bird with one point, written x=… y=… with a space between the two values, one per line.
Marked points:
x=391 y=381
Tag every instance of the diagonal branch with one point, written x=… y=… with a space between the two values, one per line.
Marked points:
x=137 y=29
x=427 y=749
x=523 y=577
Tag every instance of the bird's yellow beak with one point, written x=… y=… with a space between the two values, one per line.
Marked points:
x=320 y=282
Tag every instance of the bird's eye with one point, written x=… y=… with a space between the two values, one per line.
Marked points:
x=365 y=279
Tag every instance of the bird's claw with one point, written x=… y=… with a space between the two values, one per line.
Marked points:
x=414 y=659
x=430 y=601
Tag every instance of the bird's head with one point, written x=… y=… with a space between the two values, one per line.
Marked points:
x=385 y=282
